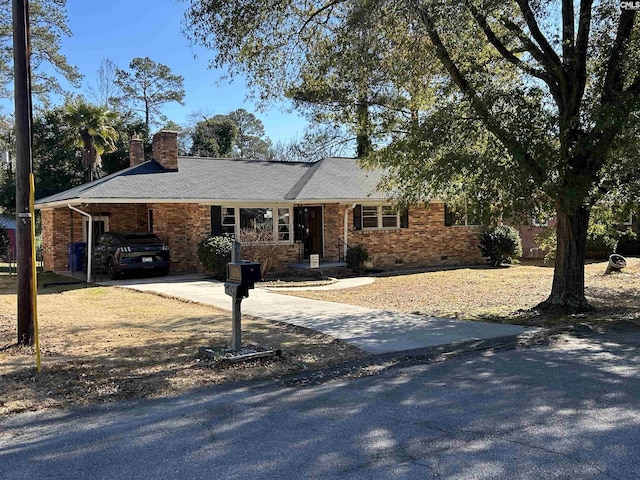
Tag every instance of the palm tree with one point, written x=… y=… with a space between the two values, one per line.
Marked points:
x=96 y=134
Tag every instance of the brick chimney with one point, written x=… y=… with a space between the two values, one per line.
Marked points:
x=165 y=149
x=136 y=151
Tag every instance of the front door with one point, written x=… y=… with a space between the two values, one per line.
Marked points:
x=309 y=229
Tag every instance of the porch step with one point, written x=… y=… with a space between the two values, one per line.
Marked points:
x=326 y=268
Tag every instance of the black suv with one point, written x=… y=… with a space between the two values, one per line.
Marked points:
x=119 y=253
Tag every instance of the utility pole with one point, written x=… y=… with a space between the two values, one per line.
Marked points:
x=24 y=241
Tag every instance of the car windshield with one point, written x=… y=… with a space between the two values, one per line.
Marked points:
x=141 y=238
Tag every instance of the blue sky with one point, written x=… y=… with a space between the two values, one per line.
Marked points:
x=121 y=30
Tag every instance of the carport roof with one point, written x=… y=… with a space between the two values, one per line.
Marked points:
x=228 y=180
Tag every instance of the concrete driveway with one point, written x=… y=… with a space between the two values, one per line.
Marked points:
x=372 y=330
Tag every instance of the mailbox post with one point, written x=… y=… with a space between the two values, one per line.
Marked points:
x=241 y=276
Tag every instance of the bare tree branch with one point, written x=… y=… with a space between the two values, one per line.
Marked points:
x=614 y=82
x=568 y=31
x=325 y=7
x=579 y=54
x=538 y=36
x=530 y=47
x=508 y=55
x=584 y=28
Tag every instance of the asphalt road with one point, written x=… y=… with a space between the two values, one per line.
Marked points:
x=570 y=410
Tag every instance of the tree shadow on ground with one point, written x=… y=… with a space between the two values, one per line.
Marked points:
x=570 y=411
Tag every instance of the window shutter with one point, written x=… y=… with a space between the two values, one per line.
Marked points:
x=404 y=218
x=448 y=216
x=216 y=220
x=357 y=217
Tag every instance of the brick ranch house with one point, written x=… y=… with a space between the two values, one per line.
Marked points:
x=312 y=208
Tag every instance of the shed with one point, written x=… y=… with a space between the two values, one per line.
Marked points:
x=9 y=224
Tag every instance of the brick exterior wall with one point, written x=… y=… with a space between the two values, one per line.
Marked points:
x=528 y=234
x=55 y=235
x=182 y=226
x=334 y=229
x=284 y=255
x=426 y=242
x=62 y=226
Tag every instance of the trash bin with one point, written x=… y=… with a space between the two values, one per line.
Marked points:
x=75 y=253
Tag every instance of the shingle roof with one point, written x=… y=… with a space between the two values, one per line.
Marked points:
x=227 y=180
x=340 y=178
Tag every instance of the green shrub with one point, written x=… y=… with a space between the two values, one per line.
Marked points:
x=214 y=252
x=602 y=233
x=357 y=256
x=501 y=245
x=602 y=238
x=548 y=244
x=628 y=244
x=600 y=244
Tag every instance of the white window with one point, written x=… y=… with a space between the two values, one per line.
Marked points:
x=379 y=216
x=389 y=217
x=269 y=224
x=284 y=221
x=468 y=213
x=228 y=220
x=369 y=216
x=257 y=219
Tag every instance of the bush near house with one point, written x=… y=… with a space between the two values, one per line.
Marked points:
x=258 y=246
x=628 y=244
x=214 y=252
x=501 y=245
x=601 y=244
x=357 y=256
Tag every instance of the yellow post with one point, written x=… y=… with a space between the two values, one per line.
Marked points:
x=34 y=277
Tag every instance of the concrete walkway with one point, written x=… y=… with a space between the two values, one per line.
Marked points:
x=372 y=330
x=338 y=285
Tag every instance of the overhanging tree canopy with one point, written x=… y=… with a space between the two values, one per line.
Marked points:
x=527 y=103
x=48 y=22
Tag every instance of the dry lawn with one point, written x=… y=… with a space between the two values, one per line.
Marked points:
x=495 y=294
x=102 y=344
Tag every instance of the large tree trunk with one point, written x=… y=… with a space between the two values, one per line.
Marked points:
x=567 y=291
